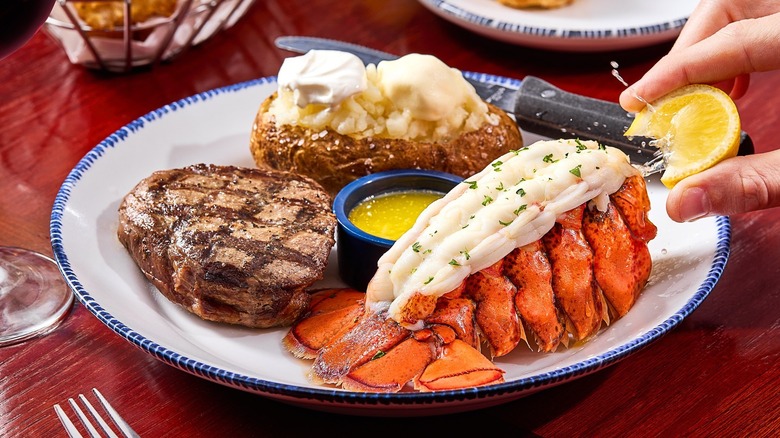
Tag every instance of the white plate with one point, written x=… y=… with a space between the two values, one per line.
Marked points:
x=583 y=26
x=213 y=127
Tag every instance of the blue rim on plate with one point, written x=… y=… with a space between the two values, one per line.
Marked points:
x=333 y=398
x=579 y=26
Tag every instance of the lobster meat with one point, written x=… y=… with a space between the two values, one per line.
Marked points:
x=548 y=241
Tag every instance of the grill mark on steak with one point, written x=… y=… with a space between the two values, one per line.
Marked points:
x=230 y=244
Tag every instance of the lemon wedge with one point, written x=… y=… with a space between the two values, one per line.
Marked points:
x=695 y=127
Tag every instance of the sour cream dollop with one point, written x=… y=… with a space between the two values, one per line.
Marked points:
x=325 y=77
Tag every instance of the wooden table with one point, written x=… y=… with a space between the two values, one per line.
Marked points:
x=715 y=374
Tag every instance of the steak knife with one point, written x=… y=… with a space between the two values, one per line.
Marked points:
x=538 y=106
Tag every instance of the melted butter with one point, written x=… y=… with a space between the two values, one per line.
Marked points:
x=390 y=215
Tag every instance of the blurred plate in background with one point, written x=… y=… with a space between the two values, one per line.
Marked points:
x=582 y=26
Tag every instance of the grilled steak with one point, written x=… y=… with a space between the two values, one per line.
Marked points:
x=230 y=244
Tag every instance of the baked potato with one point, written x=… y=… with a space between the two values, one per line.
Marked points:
x=334 y=159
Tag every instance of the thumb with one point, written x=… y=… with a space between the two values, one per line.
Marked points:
x=736 y=185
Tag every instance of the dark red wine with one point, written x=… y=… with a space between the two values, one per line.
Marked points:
x=19 y=20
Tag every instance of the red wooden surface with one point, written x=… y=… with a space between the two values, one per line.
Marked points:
x=716 y=374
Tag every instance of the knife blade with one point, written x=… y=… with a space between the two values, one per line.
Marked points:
x=538 y=106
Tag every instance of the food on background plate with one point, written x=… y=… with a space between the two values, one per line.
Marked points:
x=695 y=127
x=335 y=120
x=230 y=244
x=107 y=15
x=542 y=4
x=550 y=239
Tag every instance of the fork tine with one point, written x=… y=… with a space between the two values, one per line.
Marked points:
x=84 y=420
x=118 y=420
x=103 y=425
x=69 y=426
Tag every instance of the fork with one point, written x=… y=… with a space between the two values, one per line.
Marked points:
x=117 y=419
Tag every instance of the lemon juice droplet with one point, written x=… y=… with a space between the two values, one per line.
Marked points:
x=617 y=76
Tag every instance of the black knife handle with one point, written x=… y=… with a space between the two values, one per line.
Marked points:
x=546 y=110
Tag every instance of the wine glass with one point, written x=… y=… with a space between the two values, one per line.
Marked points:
x=34 y=298
x=33 y=295
x=19 y=20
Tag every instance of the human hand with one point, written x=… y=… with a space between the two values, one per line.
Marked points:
x=721 y=44
x=736 y=185
x=723 y=40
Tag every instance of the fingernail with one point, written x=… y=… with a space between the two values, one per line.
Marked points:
x=694 y=204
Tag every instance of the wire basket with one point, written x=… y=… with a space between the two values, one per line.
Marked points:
x=118 y=35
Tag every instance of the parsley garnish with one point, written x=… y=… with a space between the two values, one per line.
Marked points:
x=517 y=151
x=548 y=158
x=454 y=262
x=520 y=191
x=472 y=184
x=504 y=223
x=378 y=354
x=487 y=200
x=465 y=254
x=520 y=208
x=430 y=279
x=416 y=246
x=576 y=171
x=580 y=146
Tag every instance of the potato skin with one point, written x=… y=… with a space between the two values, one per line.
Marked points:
x=334 y=160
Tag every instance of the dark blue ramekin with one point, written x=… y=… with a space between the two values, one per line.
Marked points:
x=359 y=251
